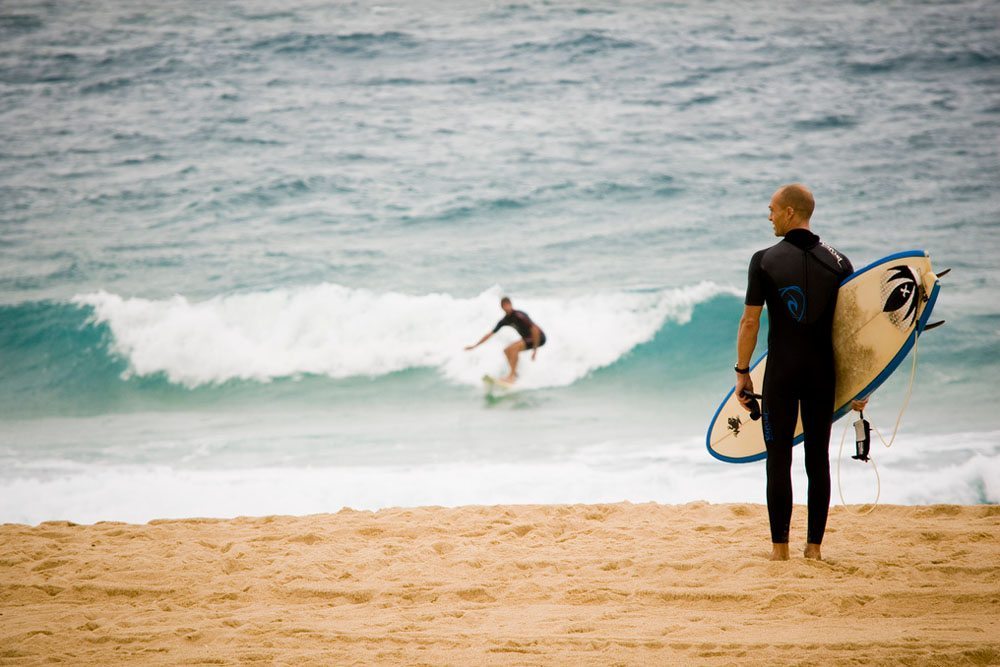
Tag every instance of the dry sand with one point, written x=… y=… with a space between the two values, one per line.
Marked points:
x=537 y=585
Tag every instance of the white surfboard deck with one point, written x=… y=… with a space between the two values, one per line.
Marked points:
x=881 y=310
x=496 y=386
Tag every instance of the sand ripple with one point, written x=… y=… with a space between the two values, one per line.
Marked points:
x=536 y=585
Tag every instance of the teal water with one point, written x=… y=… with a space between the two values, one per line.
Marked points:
x=242 y=246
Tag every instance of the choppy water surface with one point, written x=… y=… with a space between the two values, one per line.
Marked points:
x=242 y=245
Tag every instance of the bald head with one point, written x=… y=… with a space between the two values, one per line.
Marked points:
x=797 y=196
x=791 y=207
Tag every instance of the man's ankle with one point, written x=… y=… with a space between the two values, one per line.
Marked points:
x=812 y=551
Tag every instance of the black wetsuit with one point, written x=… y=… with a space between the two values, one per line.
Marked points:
x=520 y=321
x=798 y=278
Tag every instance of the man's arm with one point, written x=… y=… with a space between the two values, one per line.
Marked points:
x=504 y=321
x=746 y=341
x=536 y=338
x=481 y=341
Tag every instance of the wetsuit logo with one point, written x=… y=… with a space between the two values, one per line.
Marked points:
x=836 y=255
x=795 y=301
x=900 y=287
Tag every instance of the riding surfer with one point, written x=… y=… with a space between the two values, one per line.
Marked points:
x=532 y=337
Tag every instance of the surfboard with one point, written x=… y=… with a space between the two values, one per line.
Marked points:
x=495 y=386
x=881 y=310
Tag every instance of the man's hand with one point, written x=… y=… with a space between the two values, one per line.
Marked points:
x=534 y=353
x=860 y=404
x=743 y=383
x=481 y=341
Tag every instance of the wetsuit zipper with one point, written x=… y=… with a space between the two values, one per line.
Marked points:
x=805 y=280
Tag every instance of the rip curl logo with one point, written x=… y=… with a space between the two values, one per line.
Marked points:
x=833 y=252
x=900 y=292
x=795 y=301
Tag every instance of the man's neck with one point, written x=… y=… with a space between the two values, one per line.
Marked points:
x=801 y=237
x=804 y=226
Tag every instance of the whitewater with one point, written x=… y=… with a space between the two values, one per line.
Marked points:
x=340 y=332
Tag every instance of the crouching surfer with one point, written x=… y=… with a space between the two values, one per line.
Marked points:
x=532 y=337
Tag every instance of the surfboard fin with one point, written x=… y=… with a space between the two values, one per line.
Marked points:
x=933 y=325
x=943 y=273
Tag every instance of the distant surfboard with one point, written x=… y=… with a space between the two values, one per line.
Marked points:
x=881 y=310
x=497 y=387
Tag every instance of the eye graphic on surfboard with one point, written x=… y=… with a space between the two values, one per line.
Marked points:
x=900 y=289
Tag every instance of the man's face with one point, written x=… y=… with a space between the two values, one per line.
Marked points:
x=507 y=307
x=780 y=216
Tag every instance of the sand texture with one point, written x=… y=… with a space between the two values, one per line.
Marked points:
x=532 y=585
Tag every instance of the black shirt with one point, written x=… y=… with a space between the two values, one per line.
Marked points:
x=520 y=321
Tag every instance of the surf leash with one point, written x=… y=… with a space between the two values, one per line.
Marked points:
x=863 y=437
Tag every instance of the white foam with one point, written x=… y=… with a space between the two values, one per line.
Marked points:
x=140 y=493
x=343 y=332
x=603 y=472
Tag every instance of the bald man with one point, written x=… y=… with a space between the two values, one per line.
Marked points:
x=798 y=279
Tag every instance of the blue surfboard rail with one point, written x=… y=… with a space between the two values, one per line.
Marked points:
x=871 y=387
x=711 y=424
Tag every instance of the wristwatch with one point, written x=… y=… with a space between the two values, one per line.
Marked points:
x=742 y=371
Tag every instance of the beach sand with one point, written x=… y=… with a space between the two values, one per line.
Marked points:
x=533 y=585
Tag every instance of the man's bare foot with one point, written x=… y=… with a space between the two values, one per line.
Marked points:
x=509 y=379
x=779 y=551
x=812 y=551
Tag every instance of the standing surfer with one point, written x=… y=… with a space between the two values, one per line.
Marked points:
x=798 y=278
x=532 y=337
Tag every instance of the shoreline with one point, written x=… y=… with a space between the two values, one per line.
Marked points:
x=524 y=584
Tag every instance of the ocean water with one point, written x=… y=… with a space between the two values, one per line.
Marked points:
x=242 y=245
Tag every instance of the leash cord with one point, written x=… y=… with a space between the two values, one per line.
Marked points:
x=895 y=430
